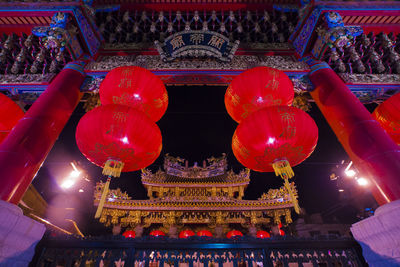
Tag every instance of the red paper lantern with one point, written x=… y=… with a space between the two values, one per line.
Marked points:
x=186 y=234
x=10 y=114
x=388 y=116
x=274 y=134
x=204 y=233
x=263 y=234
x=234 y=233
x=255 y=89
x=129 y=234
x=157 y=233
x=281 y=232
x=274 y=139
x=136 y=87
x=117 y=133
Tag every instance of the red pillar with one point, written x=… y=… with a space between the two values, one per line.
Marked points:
x=26 y=147
x=368 y=145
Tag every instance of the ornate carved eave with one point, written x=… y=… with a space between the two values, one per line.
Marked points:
x=162 y=205
x=370 y=78
x=154 y=62
x=26 y=78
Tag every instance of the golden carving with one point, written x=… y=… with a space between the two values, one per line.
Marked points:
x=179 y=204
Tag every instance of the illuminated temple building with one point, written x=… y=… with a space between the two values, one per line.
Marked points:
x=340 y=56
x=197 y=197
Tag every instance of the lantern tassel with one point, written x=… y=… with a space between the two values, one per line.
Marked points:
x=103 y=198
x=282 y=168
x=292 y=196
x=113 y=168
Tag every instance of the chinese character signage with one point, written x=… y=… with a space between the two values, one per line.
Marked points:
x=197 y=44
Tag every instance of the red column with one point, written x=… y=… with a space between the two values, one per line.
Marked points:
x=26 y=147
x=371 y=149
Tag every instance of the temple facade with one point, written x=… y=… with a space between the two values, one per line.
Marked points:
x=339 y=54
x=196 y=197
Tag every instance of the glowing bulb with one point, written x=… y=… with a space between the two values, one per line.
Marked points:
x=125 y=140
x=75 y=173
x=341 y=190
x=68 y=183
x=350 y=173
x=362 y=181
x=271 y=140
x=136 y=96
x=259 y=99
x=81 y=191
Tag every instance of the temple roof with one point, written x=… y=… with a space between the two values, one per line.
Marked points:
x=273 y=199
x=177 y=172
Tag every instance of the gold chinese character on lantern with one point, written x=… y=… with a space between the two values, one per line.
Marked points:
x=125 y=83
x=244 y=152
x=273 y=83
x=235 y=98
x=216 y=41
x=126 y=72
x=196 y=38
x=177 y=42
x=289 y=132
x=287 y=117
x=119 y=116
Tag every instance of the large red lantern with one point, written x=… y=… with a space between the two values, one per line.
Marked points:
x=186 y=234
x=119 y=139
x=263 y=234
x=234 y=233
x=157 y=233
x=255 y=89
x=136 y=87
x=115 y=133
x=275 y=138
x=388 y=116
x=129 y=234
x=10 y=114
x=204 y=233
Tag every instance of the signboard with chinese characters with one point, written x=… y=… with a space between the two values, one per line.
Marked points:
x=197 y=44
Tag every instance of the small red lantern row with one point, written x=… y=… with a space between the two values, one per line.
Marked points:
x=129 y=234
x=157 y=233
x=204 y=233
x=234 y=233
x=263 y=234
x=186 y=234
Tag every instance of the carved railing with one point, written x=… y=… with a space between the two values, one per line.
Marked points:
x=26 y=55
x=127 y=29
x=243 y=251
x=369 y=54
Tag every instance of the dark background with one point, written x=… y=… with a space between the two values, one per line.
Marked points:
x=195 y=127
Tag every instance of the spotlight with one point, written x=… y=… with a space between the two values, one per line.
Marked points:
x=350 y=173
x=75 y=173
x=362 y=181
x=68 y=183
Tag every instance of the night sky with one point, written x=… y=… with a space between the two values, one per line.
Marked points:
x=196 y=126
